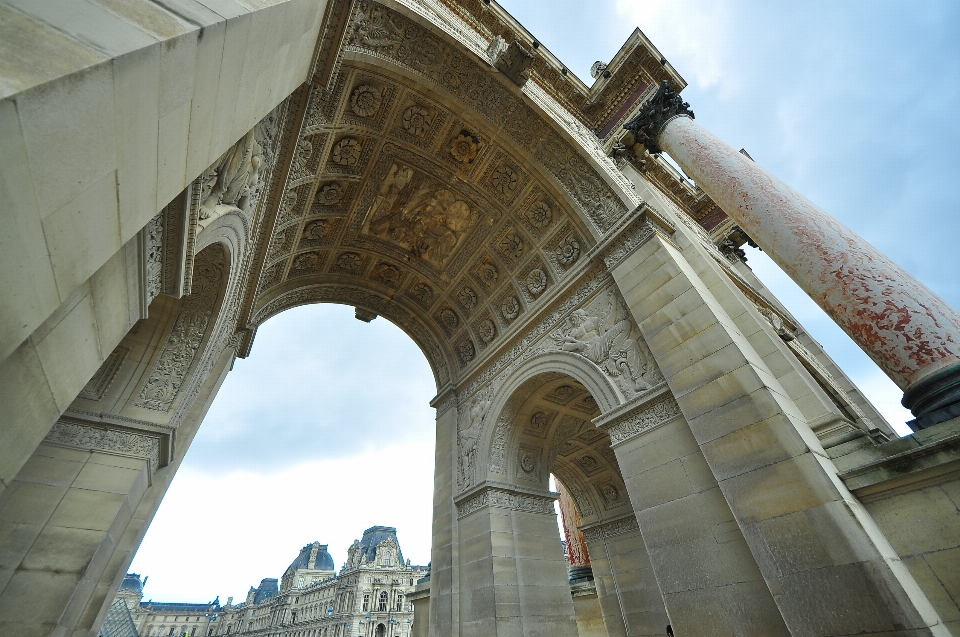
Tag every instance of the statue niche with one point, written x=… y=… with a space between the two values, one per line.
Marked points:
x=419 y=214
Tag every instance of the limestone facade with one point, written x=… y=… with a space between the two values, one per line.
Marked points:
x=367 y=597
x=586 y=313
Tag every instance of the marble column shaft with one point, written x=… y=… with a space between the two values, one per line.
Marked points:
x=577 y=554
x=909 y=331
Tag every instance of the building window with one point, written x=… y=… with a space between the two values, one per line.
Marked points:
x=399 y=602
x=300 y=582
x=366 y=603
x=383 y=602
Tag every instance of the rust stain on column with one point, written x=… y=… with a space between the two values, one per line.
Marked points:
x=576 y=543
x=907 y=329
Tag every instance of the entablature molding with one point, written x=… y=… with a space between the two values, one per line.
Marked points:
x=504 y=496
x=152 y=446
x=610 y=528
x=637 y=417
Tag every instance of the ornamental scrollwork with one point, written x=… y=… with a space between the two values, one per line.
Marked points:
x=69 y=433
x=645 y=418
x=611 y=529
x=183 y=344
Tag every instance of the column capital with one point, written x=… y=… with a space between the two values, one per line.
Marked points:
x=653 y=116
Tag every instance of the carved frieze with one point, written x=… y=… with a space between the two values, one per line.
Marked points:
x=610 y=529
x=644 y=417
x=503 y=499
x=196 y=315
x=80 y=435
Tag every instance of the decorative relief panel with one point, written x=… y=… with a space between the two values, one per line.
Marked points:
x=384 y=33
x=80 y=435
x=528 y=463
x=235 y=181
x=418 y=213
x=422 y=293
x=154 y=254
x=502 y=499
x=369 y=103
x=611 y=494
x=183 y=344
x=318 y=232
x=419 y=121
x=307 y=263
x=604 y=334
x=470 y=423
x=540 y=422
x=538 y=213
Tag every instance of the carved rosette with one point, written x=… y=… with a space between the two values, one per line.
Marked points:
x=653 y=116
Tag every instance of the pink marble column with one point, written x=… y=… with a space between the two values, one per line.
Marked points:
x=577 y=554
x=909 y=331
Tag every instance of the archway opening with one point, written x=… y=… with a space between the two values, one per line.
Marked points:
x=546 y=445
x=325 y=430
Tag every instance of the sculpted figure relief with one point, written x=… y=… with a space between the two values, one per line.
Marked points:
x=467 y=440
x=417 y=213
x=605 y=338
x=233 y=182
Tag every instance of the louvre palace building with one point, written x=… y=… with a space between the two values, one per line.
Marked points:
x=174 y=174
x=369 y=596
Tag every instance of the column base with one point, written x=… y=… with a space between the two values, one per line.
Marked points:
x=935 y=399
x=580 y=574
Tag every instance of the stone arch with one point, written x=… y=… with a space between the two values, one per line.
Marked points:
x=499 y=432
x=545 y=415
x=512 y=413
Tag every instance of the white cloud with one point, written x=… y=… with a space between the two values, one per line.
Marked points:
x=694 y=36
x=219 y=534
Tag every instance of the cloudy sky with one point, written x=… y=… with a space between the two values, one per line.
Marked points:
x=325 y=429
